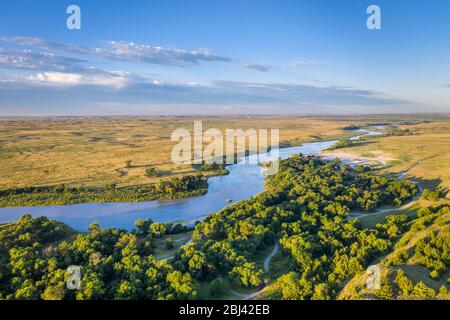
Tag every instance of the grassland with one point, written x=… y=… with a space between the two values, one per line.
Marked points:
x=93 y=152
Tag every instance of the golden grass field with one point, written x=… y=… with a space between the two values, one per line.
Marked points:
x=94 y=151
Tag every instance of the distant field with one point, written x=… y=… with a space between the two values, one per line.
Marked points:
x=94 y=151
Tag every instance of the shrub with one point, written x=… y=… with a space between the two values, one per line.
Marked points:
x=169 y=243
x=343 y=143
x=151 y=172
x=218 y=287
x=432 y=195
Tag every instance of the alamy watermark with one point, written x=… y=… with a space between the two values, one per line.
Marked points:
x=374 y=20
x=212 y=146
x=73 y=278
x=374 y=278
x=73 y=22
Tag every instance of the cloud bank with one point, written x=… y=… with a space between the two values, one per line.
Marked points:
x=128 y=51
x=67 y=79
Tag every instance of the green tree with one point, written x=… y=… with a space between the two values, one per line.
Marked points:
x=158 y=229
x=151 y=172
x=422 y=292
x=94 y=227
x=218 y=287
x=54 y=293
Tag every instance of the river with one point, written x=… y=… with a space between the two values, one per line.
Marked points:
x=245 y=180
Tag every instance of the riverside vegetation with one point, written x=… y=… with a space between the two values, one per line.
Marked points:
x=174 y=188
x=305 y=205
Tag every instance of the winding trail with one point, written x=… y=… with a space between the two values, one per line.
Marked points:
x=274 y=252
x=266 y=267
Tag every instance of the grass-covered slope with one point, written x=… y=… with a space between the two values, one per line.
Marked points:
x=418 y=266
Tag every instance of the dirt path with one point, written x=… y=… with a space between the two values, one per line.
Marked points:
x=266 y=267
x=402 y=174
x=267 y=261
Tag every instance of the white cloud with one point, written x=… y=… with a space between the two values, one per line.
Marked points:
x=303 y=63
x=257 y=66
x=158 y=82
x=295 y=64
x=27 y=60
x=115 y=80
x=128 y=51
x=135 y=52
x=56 y=78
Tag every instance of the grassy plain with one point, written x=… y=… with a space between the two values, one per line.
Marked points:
x=94 y=151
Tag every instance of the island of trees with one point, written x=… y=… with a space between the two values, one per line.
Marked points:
x=343 y=143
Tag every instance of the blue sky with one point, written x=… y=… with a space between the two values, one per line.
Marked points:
x=223 y=57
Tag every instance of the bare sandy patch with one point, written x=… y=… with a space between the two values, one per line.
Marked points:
x=373 y=156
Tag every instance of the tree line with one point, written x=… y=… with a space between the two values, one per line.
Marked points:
x=174 y=188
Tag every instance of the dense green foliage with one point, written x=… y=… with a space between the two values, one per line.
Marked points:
x=151 y=172
x=305 y=207
x=219 y=169
x=351 y=127
x=434 y=253
x=393 y=131
x=408 y=290
x=168 y=189
x=432 y=195
x=115 y=264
